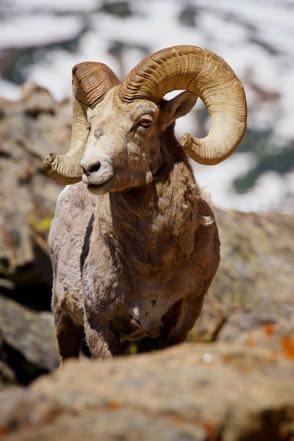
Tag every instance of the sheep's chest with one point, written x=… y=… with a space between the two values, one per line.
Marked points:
x=151 y=302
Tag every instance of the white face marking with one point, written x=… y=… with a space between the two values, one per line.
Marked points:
x=98 y=152
x=121 y=144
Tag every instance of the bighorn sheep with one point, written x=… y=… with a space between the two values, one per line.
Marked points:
x=135 y=245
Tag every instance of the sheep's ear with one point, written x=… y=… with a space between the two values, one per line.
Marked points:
x=176 y=107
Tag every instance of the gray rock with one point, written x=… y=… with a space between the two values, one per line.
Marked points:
x=30 y=333
x=29 y=129
x=253 y=286
x=190 y=392
x=7 y=376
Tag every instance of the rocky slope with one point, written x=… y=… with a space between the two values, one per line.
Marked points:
x=29 y=128
x=231 y=382
x=188 y=393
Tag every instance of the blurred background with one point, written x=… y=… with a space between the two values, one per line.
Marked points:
x=42 y=40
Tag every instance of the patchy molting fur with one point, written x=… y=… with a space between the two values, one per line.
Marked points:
x=132 y=264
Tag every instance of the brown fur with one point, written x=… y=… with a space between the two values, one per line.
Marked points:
x=137 y=261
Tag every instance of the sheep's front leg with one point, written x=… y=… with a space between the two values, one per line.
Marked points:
x=102 y=342
x=182 y=318
x=69 y=336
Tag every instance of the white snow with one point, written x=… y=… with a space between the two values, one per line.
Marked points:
x=37 y=30
x=254 y=36
x=55 y=5
x=9 y=90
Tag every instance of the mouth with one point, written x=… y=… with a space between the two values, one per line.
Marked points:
x=100 y=185
x=99 y=189
x=93 y=186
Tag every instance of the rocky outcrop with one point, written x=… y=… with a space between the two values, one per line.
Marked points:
x=29 y=333
x=254 y=284
x=29 y=129
x=191 y=392
x=27 y=343
x=233 y=382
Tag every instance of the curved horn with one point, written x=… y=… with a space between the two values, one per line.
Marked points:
x=91 y=82
x=205 y=74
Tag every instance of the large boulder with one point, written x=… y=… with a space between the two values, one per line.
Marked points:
x=200 y=392
x=30 y=333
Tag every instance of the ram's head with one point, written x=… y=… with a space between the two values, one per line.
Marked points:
x=117 y=127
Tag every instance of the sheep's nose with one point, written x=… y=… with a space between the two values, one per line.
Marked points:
x=91 y=168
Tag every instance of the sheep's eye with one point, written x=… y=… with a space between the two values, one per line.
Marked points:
x=145 y=122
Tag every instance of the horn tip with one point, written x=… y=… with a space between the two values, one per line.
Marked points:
x=48 y=162
x=52 y=166
x=193 y=146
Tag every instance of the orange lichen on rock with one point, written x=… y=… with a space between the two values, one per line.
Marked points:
x=114 y=405
x=268 y=329
x=287 y=344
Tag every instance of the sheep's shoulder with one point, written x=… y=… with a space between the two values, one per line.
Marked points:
x=74 y=208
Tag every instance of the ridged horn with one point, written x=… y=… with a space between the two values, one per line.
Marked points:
x=205 y=74
x=91 y=81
